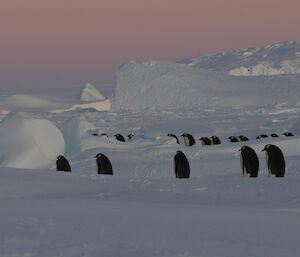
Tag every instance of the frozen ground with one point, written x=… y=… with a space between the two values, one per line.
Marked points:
x=143 y=210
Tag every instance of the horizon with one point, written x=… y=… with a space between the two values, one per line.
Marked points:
x=63 y=44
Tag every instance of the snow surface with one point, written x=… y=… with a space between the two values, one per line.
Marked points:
x=276 y=59
x=90 y=93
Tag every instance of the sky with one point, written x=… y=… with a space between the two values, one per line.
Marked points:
x=62 y=43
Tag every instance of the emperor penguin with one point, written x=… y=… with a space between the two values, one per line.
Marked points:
x=273 y=135
x=181 y=165
x=275 y=161
x=188 y=139
x=215 y=140
x=233 y=139
x=62 y=164
x=176 y=138
x=261 y=136
x=288 y=134
x=119 y=137
x=243 y=138
x=205 y=141
x=103 y=164
x=249 y=162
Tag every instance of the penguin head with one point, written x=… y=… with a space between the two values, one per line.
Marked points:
x=98 y=155
x=59 y=157
x=267 y=148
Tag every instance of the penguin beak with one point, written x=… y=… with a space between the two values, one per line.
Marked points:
x=240 y=149
x=263 y=150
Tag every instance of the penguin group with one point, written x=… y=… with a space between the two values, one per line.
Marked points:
x=274 y=157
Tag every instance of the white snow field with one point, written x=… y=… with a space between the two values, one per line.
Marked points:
x=143 y=210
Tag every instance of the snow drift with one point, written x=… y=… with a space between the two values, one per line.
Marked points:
x=51 y=104
x=29 y=143
x=159 y=84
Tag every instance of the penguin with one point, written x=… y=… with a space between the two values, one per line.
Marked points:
x=205 y=141
x=172 y=135
x=188 y=139
x=119 y=137
x=62 y=164
x=288 y=134
x=274 y=135
x=130 y=136
x=95 y=134
x=243 y=138
x=104 y=135
x=215 y=140
x=249 y=162
x=275 y=161
x=233 y=139
x=103 y=164
x=261 y=136
x=181 y=165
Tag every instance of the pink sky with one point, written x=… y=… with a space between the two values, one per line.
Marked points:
x=67 y=42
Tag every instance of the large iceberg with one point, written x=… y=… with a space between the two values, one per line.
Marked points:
x=160 y=84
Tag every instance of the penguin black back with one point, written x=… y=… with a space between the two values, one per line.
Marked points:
x=205 y=141
x=243 y=138
x=275 y=160
x=172 y=135
x=288 y=134
x=62 y=164
x=233 y=139
x=181 y=165
x=119 y=137
x=215 y=140
x=188 y=139
x=249 y=162
x=261 y=136
x=103 y=164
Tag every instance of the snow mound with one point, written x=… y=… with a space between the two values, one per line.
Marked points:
x=73 y=130
x=90 y=93
x=46 y=103
x=29 y=143
x=142 y=85
x=276 y=59
x=22 y=101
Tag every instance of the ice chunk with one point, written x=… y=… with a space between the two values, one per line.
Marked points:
x=29 y=143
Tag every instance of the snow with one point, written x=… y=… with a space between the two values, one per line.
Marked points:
x=29 y=143
x=90 y=93
x=276 y=59
x=142 y=210
x=48 y=103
